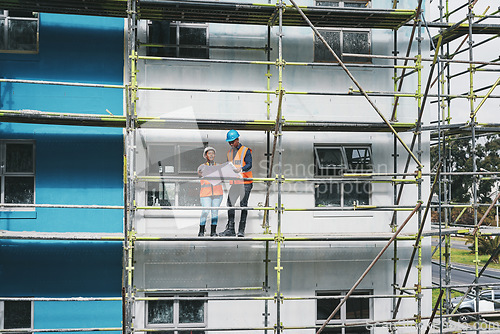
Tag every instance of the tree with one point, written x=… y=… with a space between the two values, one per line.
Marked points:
x=461 y=160
x=486 y=245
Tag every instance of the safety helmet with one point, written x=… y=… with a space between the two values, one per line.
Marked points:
x=208 y=148
x=232 y=135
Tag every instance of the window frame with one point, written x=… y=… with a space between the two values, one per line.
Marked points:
x=4 y=15
x=176 y=44
x=176 y=326
x=344 y=167
x=4 y=173
x=2 y=316
x=342 y=32
x=342 y=319
x=178 y=150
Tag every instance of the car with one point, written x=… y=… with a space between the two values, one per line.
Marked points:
x=489 y=300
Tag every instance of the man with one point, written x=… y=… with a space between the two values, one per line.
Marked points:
x=241 y=157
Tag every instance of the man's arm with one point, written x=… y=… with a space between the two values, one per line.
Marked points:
x=248 y=161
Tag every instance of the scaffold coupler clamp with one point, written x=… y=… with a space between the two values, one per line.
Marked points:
x=279 y=63
x=278 y=90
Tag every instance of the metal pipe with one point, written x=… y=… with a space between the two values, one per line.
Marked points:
x=348 y=294
x=355 y=82
x=419 y=236
x=279 y=238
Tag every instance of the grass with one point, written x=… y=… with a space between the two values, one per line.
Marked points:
x=464 y=256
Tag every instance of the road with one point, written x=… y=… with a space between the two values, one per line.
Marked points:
x=461 y=277
x=457 y=275
x=455 y=243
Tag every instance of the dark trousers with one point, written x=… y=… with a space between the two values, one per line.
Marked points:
x=241 y=191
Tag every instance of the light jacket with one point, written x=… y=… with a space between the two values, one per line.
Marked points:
x=239 y=162
x=207 y=189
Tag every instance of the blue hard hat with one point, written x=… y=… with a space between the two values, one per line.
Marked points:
x=232 y=135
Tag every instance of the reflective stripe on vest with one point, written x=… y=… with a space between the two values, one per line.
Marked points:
x=239 y=162
x=207 y=189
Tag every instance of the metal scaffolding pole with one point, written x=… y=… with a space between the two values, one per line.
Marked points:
x=278 y=327
x=130 y=161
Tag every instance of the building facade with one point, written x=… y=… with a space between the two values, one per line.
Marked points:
x=324 y=201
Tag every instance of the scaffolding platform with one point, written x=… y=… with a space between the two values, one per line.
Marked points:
x=39 y=117
x=224 y=12
x=452 y=31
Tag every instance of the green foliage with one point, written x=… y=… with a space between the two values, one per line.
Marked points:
x=486 y=245
x=460 y=156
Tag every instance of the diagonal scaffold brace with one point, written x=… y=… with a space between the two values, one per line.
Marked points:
x=363 y=92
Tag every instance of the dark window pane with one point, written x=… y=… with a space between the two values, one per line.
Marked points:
x=358 y=192
x=358 y=158
x=22 y=13
x=358 y=308
x=357 y=4
x=329 y=157
x=190 y=158
x=189 y=194
x=161 y=194
x=327 y=194
x=321 y=52
x=22 y=34
x=332 y=331
x=327 y=3
x=356 y=330
x=191 y=311
x=19 y=158
x=325 y=307
x=17 y=314
x=161 y=157
x=2 y=36
x=172 y=50
x=193 y=37
x=19 y=190
x=356 y=42
x=161 y=33
x=161 y=312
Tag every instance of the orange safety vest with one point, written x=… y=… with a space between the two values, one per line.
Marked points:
x=238 y=162
x=207 y=189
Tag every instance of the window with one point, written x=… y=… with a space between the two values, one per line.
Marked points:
x=343 y=40
x=333 y=160
x=18 y=31
x=354 y=310
x=17 y=172
x=16 y=315
x=178 y=39
x=174 y=160
x=174 y=314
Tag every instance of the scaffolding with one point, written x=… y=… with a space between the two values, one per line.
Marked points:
x=280 y=14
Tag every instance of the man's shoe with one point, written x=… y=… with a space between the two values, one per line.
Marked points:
x=229 y=232
x=241 y=229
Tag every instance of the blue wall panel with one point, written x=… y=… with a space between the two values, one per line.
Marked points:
x=60 y=269
x=74 y=165
x=78 y=315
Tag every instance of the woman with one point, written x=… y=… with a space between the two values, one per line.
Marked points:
x=210 y=195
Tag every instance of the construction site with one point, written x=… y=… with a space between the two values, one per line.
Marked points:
x=351 y=109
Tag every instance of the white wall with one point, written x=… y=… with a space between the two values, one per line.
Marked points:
x=307 y=267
